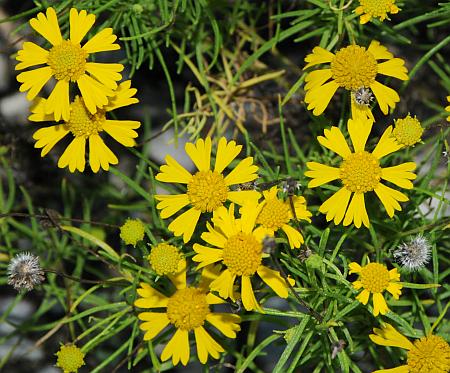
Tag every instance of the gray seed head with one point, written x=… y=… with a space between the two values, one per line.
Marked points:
x=25 y=272
x=363 y=96
x=415 y=254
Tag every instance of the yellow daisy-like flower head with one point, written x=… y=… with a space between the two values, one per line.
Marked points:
x=208 y=189
x=408 y=131
x=360 y=173
x=83 y=126
x=238 y=246
x=277 y=213
x=447 y=108
x=188 y=309
x=66 y=62
x=164 y=259
x=132 y=231
x=374 y=278
x=369 y=9
x=427 y=354
x=353 y=67
x=70 y=358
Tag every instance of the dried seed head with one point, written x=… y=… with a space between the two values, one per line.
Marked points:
x=291 y=186
x=363 y=96
x=269 y=244
x=25 y=272
x=414 y=254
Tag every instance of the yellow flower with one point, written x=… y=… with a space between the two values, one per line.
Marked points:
x=447 y=108
x=70 y=358
x=164 y=259
x=207 y=189
x=238 y=246
x=276 y=214
x=408 y=131
x=132 y=231
x=369 y=9
x=430 y=354
x=352 y=68
x=360 y=172
x=83 y=125
x=374 y=278
x=188 y=309
x=67 y=62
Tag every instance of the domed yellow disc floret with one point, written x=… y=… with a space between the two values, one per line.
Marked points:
x=430 y=354
x=67 y=61
x=187 y=308
x=408 y=131
x=164 y=259
x=360 y=172
x=242 y=254
x=274 y=214
x=132 y=231
x=207 y=190
x=374 y=277
x=70 y=358
x=81 y=122
x=354 y=67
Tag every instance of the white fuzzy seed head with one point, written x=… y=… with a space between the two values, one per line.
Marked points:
x=415 y=254
x=25 y=272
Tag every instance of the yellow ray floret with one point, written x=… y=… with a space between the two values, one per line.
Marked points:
x=188 y=309
x=208 y=188
x=360 y=172
x=67 y=62
x=237 y=245
x=86 y=129
x=353 y=68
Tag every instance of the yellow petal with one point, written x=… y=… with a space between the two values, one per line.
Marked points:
x=101 y=42
x=151 y=298
x=248 y=297
x=185 y=224
x=389 y=198
x=200 y=153
x=321 y=174
x=47 y=26
x=225 y=221
x=400 y=369
x=365 y=18
x=400 y=175
x=379 y=304
x=359 y=130
x=226 y=152
x=386 y=145
x=31 y=55
x=394 y=275
x=34 y=80
x=227 y=323
x=363 y=297
x=214 y=237
x=171 y=204
x=317 y=78
x=100 y=154
x=206 y=345
x=94 y=94
x=48 y=137
x=295 y=238
x=319 y=97
x=301 y=211
x=389 y=336
x=378 y=51
x=38 y=111
x=73 y=156
x=224 y=285
x=244 y=172
x=179 y=278
x=318 y=56
x=155 y=323
x=243 y=196
x=178 y=348
x=360 y=112
x=123 y=96
x=173 y=172
x=336 y=205
x=356 y=211
x=249 y=213
x=80 y=24
x=335 y=141
x=394 y=289
x=354 y=268
x=58 y=101
x=395 y=68
x=106 y=73
x=274 y=280
x=386 y=97
x=122 y=134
